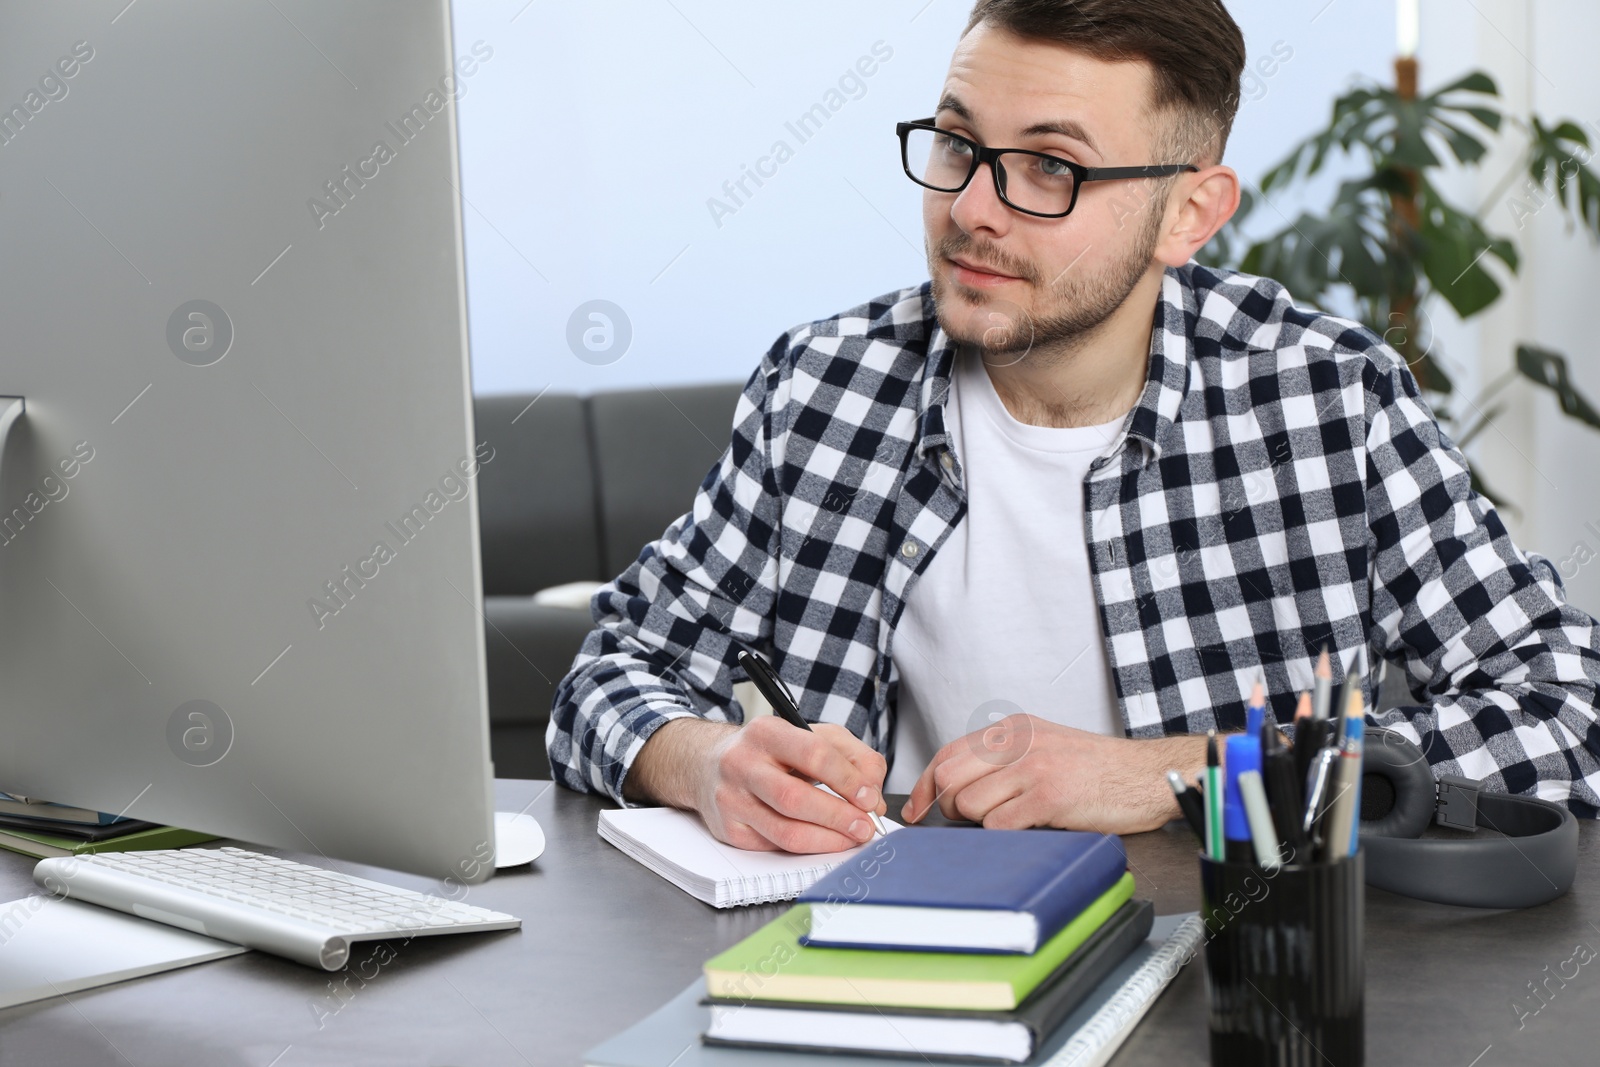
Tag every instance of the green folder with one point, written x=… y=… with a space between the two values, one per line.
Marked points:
x=48 y=846
x=771 y=964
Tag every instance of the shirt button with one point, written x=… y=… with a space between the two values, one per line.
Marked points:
x=909 y=550
x=946 y=461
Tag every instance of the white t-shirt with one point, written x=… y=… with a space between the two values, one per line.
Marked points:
x=1004 y=619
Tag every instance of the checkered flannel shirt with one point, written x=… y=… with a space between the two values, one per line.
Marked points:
x=1279 y=485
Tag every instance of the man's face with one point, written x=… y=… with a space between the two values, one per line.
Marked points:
x=1006 y=281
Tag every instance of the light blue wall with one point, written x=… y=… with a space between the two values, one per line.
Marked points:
x=595 y=135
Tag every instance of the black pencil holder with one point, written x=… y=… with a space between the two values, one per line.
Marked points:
x=1285 y=963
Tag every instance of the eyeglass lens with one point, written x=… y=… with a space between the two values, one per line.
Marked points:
x=1032 y=183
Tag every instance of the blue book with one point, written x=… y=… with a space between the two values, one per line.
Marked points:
x=28 y=808
x=952 y=889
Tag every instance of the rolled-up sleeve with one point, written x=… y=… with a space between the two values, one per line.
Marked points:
x=668 y=628
x=1507 y=670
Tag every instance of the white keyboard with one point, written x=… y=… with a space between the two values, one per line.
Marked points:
x=304 y=913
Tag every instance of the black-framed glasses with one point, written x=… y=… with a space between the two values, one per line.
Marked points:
x=1034 y=183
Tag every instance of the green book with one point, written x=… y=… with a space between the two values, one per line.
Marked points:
x=771 y=964
x=48 y=846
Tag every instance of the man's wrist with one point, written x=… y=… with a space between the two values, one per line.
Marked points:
x=673 y=763
x=1187 y=756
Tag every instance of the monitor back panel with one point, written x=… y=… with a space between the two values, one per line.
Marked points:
x=239 y=574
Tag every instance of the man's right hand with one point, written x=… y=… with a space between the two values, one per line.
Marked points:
x=752 y=784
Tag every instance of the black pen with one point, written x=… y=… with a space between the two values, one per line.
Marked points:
x=771 y=686
x=1283 y=790
x=1190 y=804
x=766 y=679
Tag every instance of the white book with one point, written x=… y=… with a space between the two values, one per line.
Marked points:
x=677 y=846
x=50 y=947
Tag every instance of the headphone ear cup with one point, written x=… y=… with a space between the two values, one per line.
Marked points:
x=1399 y=764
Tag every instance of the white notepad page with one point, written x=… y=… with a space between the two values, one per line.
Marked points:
x=50 y=947
x=677 y=846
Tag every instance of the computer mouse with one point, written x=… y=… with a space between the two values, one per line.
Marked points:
x=518 y=839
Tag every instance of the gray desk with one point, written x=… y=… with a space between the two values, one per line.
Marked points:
x=604 y=942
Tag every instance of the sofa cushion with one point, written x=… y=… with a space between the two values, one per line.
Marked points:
x=652 y=449
x=528 y=648
x=536 y=497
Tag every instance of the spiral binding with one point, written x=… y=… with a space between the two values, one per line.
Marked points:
x=769 y=888
x=1098 y=1038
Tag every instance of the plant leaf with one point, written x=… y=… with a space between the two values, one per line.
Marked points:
x=1506 y=252
x=1554 y=163
x=1465 y=147
x=1440 y=380
x=1410 y=146
x=1475 y=82
x=1486 y=116
x=1455 y=270
x=1549 y=369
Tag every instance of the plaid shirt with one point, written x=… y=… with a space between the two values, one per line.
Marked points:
x=1279 y=485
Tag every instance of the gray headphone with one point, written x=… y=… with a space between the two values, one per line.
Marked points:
x=1533 y=862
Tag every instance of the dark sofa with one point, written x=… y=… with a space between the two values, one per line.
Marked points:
x=577 y=487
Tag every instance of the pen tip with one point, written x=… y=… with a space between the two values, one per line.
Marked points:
x=1302 y=710
x=1258 y=695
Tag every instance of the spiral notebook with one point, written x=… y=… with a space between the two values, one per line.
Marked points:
x=677 y=846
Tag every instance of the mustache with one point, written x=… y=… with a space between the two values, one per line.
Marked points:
x=962 y=244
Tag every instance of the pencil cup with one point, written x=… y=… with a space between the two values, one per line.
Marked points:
x=1285 y=963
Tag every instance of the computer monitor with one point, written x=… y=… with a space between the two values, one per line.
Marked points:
x=239 y=572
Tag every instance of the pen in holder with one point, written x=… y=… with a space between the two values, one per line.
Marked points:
x=1285 y=962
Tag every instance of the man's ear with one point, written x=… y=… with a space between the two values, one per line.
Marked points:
x=1200 y=205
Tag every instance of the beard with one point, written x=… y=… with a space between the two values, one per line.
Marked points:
x=1075 y=304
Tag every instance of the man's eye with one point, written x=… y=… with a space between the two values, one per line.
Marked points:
x=953 y=146
x=1053 y=168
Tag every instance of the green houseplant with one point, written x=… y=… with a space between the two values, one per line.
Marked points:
x=1390 y=243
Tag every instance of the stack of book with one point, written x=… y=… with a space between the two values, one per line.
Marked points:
x=949 y=942
x=44 y=830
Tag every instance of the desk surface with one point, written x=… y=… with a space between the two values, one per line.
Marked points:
x=604 y=942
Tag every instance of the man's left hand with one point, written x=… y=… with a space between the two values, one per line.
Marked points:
x=1025 y=771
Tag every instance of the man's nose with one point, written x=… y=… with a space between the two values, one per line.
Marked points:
x=978 y=207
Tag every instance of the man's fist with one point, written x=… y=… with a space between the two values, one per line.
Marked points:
x=1025 y=771
x=756 y=792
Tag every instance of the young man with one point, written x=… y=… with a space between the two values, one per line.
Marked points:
x=1017 y=536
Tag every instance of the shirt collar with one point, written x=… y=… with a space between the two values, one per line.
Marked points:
x=1166 y=378
x=1171 y=353
x=935 y=379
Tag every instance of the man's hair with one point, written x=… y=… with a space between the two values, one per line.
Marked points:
x=1194 y=48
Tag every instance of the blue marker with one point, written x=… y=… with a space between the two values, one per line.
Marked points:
x=1255 y=712
x=1243 y=754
